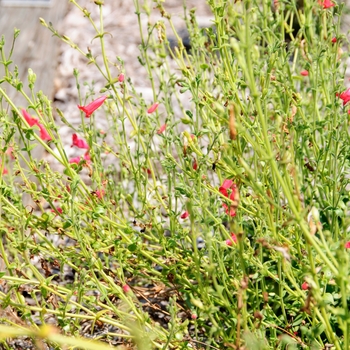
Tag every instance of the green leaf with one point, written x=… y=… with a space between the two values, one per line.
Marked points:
x=132 y=247
x=186 y=121
x=318 y=329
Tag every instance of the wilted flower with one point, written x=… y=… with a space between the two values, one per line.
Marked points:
x=161 y=129
x=185 y=215
x=152 y=108
x=345 y=96
x=229 y=190
x=194 y=164
x=80 y=143
x=304 y=73
x=100 y=193
x=91 y=107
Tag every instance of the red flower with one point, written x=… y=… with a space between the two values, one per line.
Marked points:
x=161 y=129
x=59 y=209
x=91 y=107
x=233 y=239
x=194 y=316
x=229 y=190
x=29 y=119
x=152 y=108
x=194 y=164
x=347 y=245
x=4 y=170
x=80 y=143
x=121 y=77
x=100 y=193
x=305 y=286
x=185 y=215
x=304 y=73
x=10 y=152
x=75 y=160
x=345 y=96
x=326 y=4
x=87 y=157
x=334 y=40
x=126 y=288
x=147 y=170
x=44 y=135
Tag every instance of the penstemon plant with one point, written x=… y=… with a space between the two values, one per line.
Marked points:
x=231 y=210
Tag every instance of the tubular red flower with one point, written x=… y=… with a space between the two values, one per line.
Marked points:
x=345 y=96
x=10 y=152
x=305 y=286
x=80 y=143
x=29 y=119
x=347 y=245
x=75 y=160
x=185 y=215
x=100 y=193
x=230 y=191
x=121 y=77
x=304 y=73
x=161 y=129
x=229 y=211
x=4 y=170
x=326 y=4
x=91 y=107
x=152 y=108
x=44 y=135
x=126 y=288
x=225 y=186
x=87 y=157
x=58 y=209
x=232 y=240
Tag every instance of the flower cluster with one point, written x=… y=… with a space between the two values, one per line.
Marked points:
x=80 y=143
x=230 y=191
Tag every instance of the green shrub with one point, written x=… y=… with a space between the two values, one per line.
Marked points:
x=233 y=210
